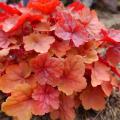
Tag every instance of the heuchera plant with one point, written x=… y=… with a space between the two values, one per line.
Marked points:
x=54 y=59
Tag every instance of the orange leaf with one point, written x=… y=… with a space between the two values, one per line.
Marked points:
x=93 y=98
x=19 y=104
x=59 y=48
x=42 y=27
x=88 y=51
x=25 y=101
x=66 y=110
x=100 y=73
x=72 y=79
x=46 y=99
x=47 y=69
x=38 y=42
x=15 y=74
x=107 y=88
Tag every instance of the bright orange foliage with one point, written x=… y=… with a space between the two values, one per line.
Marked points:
x=55 y=58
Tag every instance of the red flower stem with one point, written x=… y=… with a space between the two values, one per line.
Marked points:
x=108 y=64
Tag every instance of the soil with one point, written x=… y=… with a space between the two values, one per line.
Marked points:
x=110 y=20
x=112 y=110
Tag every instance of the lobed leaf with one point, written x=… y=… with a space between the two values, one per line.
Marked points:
x=73 y=76
x=93 y=98
x=47 y=69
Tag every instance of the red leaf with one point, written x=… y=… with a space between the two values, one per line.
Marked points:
x=94 y=27
x=4 y=41
x=69 y=29
x=113 y=68
x=85 y=16
x=113 y=55
x=9 y=9
x=3 y=16
x=47 y=69
x=76 y=6
x=45 y=6
x=111 y=35
x=91 y=23
x=25 y=101
x=16 y=22
x=46 y=99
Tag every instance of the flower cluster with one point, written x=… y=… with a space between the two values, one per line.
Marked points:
x=55 y=58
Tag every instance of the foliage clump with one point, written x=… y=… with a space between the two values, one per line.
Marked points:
x=54 y=59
